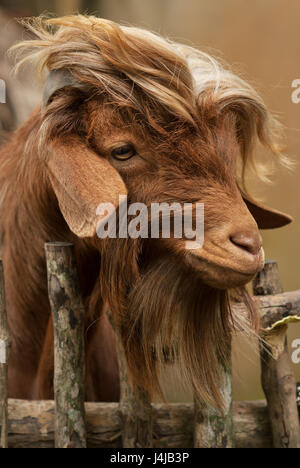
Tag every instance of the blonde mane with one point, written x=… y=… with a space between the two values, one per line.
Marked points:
x=119 y=60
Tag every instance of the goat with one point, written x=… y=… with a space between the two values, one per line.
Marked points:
x=127 y=112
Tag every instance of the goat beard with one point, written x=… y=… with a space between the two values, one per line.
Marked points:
x=163 y=312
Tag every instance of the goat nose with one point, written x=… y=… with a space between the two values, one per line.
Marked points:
x=252 y=243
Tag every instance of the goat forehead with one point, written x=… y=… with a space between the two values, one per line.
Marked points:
x=184 y=148
x=107 y=125
x=192 y=152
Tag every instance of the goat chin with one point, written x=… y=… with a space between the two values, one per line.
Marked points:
x=224 y=273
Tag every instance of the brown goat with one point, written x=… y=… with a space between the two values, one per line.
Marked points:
x=126 y=112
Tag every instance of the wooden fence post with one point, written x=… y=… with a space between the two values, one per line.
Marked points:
x=135 y=406
x=68 y=320
x=298 y=397
x=4 y=355
x=278 y=380
x=211 y=428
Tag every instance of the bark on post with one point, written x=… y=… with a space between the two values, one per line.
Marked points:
x=68 y=320
x=278 y=380
x=4 y=354
x=211 y=428
x=135 y=406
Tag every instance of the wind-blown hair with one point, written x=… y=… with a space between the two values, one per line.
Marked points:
x=123 y=61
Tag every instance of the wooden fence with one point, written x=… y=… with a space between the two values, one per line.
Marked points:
x=135 y=422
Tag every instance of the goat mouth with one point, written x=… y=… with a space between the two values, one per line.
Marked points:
x=225 y=271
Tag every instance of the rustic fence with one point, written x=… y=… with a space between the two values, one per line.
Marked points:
x=135 y=422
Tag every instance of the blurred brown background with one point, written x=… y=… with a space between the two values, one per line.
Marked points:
x=259 y=39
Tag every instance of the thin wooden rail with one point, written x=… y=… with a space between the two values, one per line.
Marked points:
x=31 y=424
x=274 y=307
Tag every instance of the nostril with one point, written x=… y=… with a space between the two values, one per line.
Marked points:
x=250 y=243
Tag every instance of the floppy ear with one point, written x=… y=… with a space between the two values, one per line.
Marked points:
x=82 y=180
x=266 y=218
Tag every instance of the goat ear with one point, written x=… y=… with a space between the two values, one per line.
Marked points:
x=266 y=218
x=56 y=80
x=82 y=180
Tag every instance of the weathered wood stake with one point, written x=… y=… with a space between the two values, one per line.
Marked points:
x=211 y=428
x=135 y=406
x=68 y=320
x=278 y=380
x=4 y=355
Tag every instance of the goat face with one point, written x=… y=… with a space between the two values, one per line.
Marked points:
x=153 y=137
x=187 y=165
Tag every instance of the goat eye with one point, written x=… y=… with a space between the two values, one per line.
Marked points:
x=123 y=152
